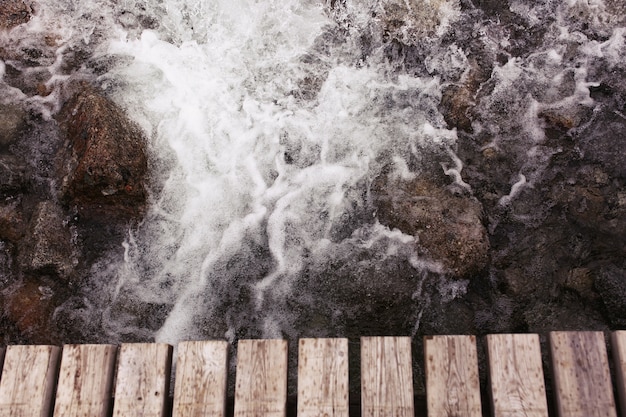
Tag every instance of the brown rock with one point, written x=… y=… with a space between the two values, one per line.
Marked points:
x=13 y=178
x=13 y=13
x=30 y=307
x=105 y=162
x=11 y=120
x=50 y=248
x=12 y=224
x=448 y=226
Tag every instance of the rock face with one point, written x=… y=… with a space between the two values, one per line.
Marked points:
x=50 y=246
x=13 y=13
x=103 y=157
x=611 y=284
x=11 y=119
x=448 y=226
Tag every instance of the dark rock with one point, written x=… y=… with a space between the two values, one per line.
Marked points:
x=6 y=262
x=13 y=177
x=29 y=307
x=610 y=281
x=448 y=225
x=50 y=248
x=13 y=13
x=104 y=159
x=12 y=224
x=600 y=140
x=11 y=120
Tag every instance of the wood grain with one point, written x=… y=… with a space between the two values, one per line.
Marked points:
x=142 y=382
x=582 y=381
x=516 y=376
x=452 y=384
x=386 y=377
x=85 y=381
x=28 y=380
x=323 y=378
x=618 y=340
x=200 y=387
x=261 y=380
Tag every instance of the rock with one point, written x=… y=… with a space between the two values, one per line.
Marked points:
x=448 y=225
x=12 y=224
x=412 y=20
x=13 y=177
x=50 y=248
x=13 y=13
x=11 y=120
x=580 y=280
x=104 y=159
x=610 y=281
x=30 y=307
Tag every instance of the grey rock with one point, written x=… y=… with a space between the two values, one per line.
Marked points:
x=11 y=120
x=611 y=284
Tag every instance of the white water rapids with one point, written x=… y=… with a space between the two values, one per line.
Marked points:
x=253 y=177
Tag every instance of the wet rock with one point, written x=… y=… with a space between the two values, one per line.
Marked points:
x=13 y=13
x=12 y=224
x=104 y=159
x=599 y=140
x=411 y=21
x=6 y=262
x=13 y=177
x=580 y=280
x=563 y=314
x=610 y=281
x=50 y=248
x=448 y=225
x=29 y=307
x=11 y=120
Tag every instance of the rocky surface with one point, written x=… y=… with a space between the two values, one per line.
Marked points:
x=448 y=226
x=104 y=163
x=13 y=13
x=66 y=196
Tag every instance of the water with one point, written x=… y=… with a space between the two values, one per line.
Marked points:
x=267 y=123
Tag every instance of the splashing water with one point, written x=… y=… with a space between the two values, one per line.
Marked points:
x=257 y=178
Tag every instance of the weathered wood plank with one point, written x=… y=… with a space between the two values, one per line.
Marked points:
x=516 y=376
x=386 y=377
x=261 y=379
x=28 y=380
x=142 y=382
x=85 y=381
x=582 y=381
x=452 y=384
x=200 y=386
x=619 y=360
x=323 y=378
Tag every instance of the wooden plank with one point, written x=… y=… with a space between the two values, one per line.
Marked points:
x=142 y=383
x=85 y=381
x=28 y=380
x=582 y=380
x=618 y=340
x=323 y=378
x=516 y=376
x=261 y=380
x=386 y=377
x=452 y=384
x=200 y=387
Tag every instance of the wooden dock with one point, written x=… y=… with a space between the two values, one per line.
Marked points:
x=134 y=379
